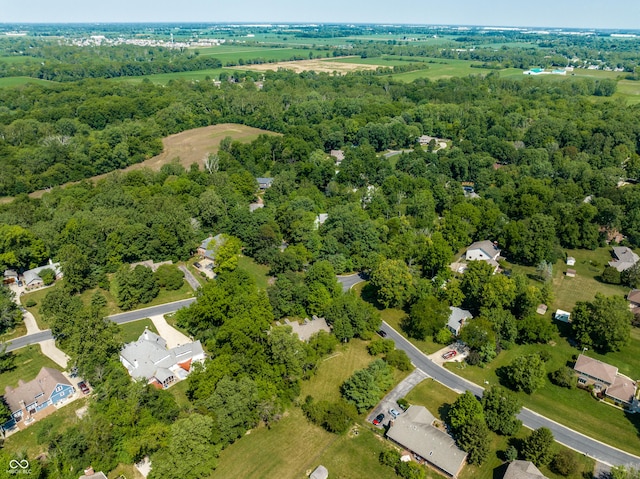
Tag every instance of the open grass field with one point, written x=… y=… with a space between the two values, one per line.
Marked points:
x=192 y=146
x=164 y=78
x=27 y=441
x=18 y=81
x=259 y=272
x=293 y=447
x=19 y=330
x=629 y=90
x=234 y=54
x=29 y=360
x=12 y=59
x=437 y=399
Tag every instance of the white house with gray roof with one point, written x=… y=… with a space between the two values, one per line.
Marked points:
x=484 y=251
x=414 y=430
x=32 y=277
x=148 y=358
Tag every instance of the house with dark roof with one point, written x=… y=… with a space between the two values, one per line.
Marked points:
x=625 y=258
x=457 y=319
x=523 y=470
x=484 y=251
x=634 y=300
x=414 y=430
x=148 y=358
x=50 y=387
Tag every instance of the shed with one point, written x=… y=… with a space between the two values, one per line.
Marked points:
x=542 y=309
x=320 y=472
x=571 y=261
x=571 y=273
x=562 y=315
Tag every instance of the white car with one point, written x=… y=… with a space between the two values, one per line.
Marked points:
x=394 y=412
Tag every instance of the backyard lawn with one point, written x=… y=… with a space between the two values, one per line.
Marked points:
x=259 y=272
x=131 y=331
x=29 y=360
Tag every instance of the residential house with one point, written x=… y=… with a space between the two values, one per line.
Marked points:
x=264 y=183
x=89 y=473
x=625 y=258
x=210 y=246
x=414 y=430
x=338 y=155
x=148 y=358
x=31 y=278
x=50 y=387
x=606 y=379
x=484 y=251
x=634 y=300
x=523 y=470
x=457 y=319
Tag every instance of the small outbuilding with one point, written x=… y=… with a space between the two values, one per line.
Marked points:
x=542 y=309
x=561 y=315
x=320 y=472
x=571 y=273
x=571 y=261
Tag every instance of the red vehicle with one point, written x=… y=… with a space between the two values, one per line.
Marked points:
x=83 y=387
x=449 y=354
x=378 y=420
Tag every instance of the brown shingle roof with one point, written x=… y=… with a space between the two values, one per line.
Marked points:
x=634 y=296
x=522 y=470
x=596 y=369
x=622 y=388
x=44 y=383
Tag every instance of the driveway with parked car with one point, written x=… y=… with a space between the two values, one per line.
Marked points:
x=389 y=406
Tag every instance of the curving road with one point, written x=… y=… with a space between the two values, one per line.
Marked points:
x=23 y=341
x=579 y=442
x=137 y=314
x=350 y=280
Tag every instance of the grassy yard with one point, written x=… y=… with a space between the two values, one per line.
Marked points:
x=19 y=330
x=293 y=447
x=437 y=399
x=29 y=360
x=131 y=331
x=27 y=441
x=259 y=272
x=561 y=404
x=18 y=81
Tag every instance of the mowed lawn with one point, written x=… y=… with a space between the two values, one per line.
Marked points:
x=28 y=362
x=18 y=81
x=293 y=447
x=259 y=272
x=131 y=331
x=438 y=398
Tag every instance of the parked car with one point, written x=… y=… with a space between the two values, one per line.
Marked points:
x=382 y=333
x=19 y=283
x=394 y=413
x=378 y=420
x=83 y=387
x=449 y=354
x=197 y=265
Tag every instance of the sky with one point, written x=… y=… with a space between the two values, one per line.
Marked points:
x=616 y=14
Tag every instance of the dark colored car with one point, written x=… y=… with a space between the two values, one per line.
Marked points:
x=83 y=387
x=378 y=420
x=382 y=333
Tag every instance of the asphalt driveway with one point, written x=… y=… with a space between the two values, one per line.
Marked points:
x=400 y=391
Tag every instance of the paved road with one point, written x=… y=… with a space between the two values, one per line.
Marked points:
x=148 y=312
x=595 y=449
x=191 y=279
x=350 y=280
x=23 y=341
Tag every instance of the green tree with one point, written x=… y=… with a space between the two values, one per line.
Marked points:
x=48 y=276
x=190 y=453
x=10 y=314
x=350 y=317
x=365 y=387
x=525 y=373
x=398 y=359
x=465 y=410
x=564 y=377
x=168 y=276
x=473 y=437
x=500 y=410
x=427 y=316
x=538 y=447
x=604 y=323
x=227 y=254
x=564 y=462
x=393 y=283
x=134 y=286
x=75 y=266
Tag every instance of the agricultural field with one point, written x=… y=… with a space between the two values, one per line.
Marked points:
x=228 y=54
x=19 y=81
x=326 y=66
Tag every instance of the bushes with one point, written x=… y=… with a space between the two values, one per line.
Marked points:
x=398 y=359
x=30 y=303
x=366 y=386
x=406 y=470
x=335 y=417
x=565 y=462
x=169 y=277
x=380 y=346
x=563 y=377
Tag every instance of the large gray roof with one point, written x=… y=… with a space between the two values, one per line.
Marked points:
x=32 y=276
x=414 y=431
x=457 y=317
x=148 y=357
x=522 y=470
x=625 y=258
